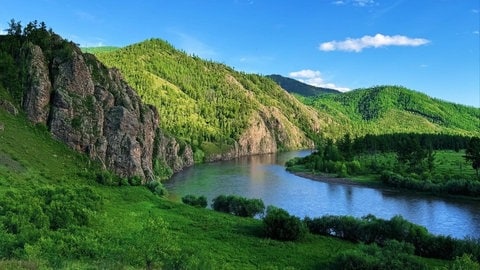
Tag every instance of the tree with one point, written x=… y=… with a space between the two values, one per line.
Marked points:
x=280 y=225
x=200 y=201
x=14 y=28
x=472 y=153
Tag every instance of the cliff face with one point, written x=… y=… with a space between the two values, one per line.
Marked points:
x=269 y=131
x=93 y=110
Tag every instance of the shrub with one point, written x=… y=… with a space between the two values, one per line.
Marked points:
x=157 y=188
x=395 y=255
x=135 y=180
x=200 y=201
x=280 y=225
x=238 y=206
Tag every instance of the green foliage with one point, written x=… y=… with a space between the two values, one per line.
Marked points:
x=206 y=104
x=394 y=255
x=280 y=225
x=207 y=239
x=200 y=201
x=472 y=153
x=392 y=109
x=370 y=229
x=413 y=165
x=464 y=262
x=154 y=244
x=161 y=170
x=238 y=206
x=466 y=187
x=157 y=188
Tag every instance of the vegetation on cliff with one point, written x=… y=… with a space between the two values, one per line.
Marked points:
x=205 y=103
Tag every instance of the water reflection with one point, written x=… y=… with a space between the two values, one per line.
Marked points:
x=265 y=177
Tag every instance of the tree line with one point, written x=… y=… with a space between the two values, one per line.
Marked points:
x=406 y=160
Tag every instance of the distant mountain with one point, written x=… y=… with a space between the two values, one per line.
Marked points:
x=303 y=89
x=392 y=109
x=222 y=113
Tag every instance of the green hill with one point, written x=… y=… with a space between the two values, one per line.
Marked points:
x=303 y=89
x=392 y=109
x=211 y=106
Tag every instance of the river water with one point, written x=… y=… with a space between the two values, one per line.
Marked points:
x=265 y=177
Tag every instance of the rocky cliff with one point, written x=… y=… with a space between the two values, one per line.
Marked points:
x=93 y=110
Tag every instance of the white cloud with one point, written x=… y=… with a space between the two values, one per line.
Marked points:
x=476 y=32
x=314 y=77
x=476 y=11
x=377 y=41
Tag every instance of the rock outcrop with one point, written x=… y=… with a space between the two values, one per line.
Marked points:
x=269 y=131
x=93 y=110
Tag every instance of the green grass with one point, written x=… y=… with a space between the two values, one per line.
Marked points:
x=30 y=159
x=451 y=163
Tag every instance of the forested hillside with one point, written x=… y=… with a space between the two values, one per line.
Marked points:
x=211 y=106
x=392 y=109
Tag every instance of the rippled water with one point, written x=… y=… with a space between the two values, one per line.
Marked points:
x=265 y=177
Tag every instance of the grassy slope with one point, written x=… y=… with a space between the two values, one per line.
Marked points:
x=30 y=158
x=391 y=109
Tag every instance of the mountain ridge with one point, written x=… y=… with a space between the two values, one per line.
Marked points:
x=219 y=106
x=297 y=87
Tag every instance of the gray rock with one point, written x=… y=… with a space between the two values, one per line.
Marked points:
x=37 y=93
x=93 y=110
x=8 y=107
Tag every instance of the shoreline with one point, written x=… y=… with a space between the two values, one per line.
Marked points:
x=345 y=181
x=335 y=180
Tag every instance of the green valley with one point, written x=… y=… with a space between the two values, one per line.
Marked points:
x=84 y=145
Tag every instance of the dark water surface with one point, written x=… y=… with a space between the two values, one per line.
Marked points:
x=265 y=177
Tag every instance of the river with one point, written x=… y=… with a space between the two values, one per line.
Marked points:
x=265 y=177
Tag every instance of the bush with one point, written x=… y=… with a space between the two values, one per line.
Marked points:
x=395 y=255
x=238 y=206
x=157 y=188
x=280 y=225
x=135 y=180
x=200 y=201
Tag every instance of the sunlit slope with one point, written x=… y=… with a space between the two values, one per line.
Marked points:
x=202 y=101
x=392 y=109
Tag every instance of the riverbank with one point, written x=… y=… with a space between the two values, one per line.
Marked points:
x=371 y=183
x=343 y=181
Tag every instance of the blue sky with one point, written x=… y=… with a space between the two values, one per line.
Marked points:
x=431 y=46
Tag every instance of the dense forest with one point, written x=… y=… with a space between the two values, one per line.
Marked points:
x=392 y=109
x=202 y=101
